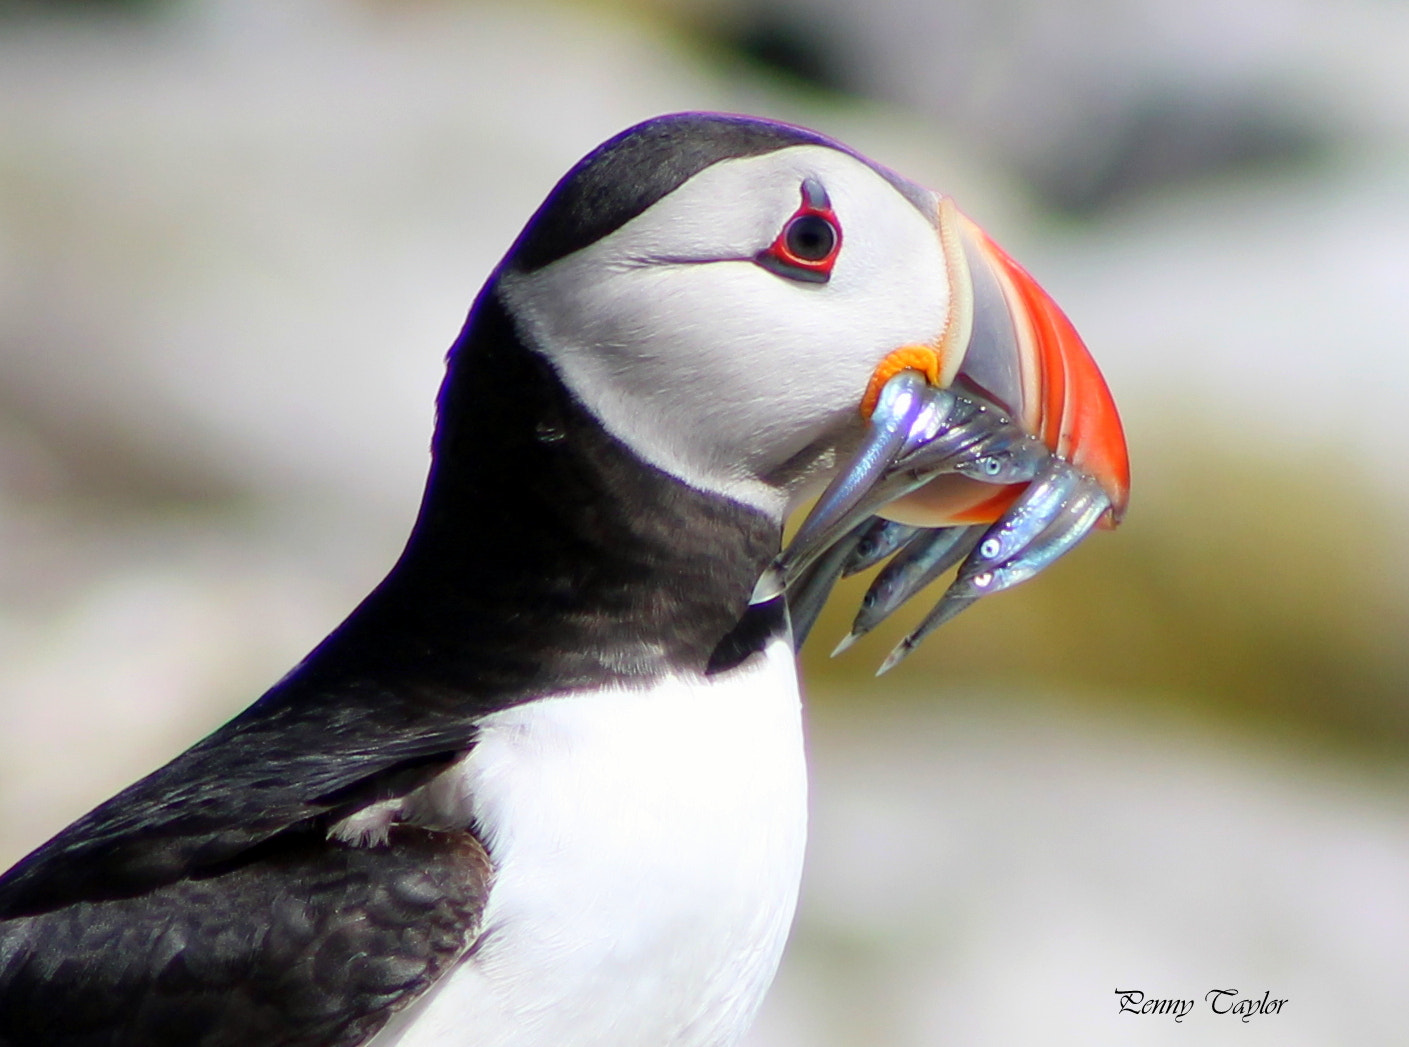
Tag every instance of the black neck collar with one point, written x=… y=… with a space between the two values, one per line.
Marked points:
x=547 y=556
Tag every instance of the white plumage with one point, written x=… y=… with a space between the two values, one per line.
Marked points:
x=545 y=787
x=647 y=846
x=709 y=366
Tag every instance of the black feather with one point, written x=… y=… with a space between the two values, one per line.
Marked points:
x=204 y=904
x=304 y=942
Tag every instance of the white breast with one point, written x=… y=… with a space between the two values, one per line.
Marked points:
x=648 y=845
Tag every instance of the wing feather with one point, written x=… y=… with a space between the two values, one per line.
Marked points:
x=303 y=942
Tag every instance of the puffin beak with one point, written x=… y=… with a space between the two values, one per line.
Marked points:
x=1063 y=397
x=998 y=445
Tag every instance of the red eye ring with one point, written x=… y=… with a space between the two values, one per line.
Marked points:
x=808 y=245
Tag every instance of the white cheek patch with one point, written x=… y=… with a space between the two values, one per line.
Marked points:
x=706 y=364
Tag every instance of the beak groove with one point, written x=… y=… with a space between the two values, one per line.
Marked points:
x=1065 y=399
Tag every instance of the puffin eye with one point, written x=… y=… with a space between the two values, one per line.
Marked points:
x=807 y=247
x=810 y=237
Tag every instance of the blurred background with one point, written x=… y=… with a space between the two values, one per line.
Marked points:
x=236 y=237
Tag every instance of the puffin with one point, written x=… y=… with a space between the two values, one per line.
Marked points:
x=546 y=784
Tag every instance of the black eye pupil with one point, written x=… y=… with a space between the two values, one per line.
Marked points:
x=810 y=237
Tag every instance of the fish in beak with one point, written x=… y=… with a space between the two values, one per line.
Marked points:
x=998 y=448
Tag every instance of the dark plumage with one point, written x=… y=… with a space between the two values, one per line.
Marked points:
x=554 y=763
x=295 y=943
x=547 y=556
x=524 y=573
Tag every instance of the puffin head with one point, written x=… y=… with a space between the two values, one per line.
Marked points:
x=739 y=301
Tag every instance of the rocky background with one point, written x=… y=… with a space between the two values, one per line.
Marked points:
x=237 y=237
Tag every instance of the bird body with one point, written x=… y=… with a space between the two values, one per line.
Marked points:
x=545 y=785
x=648 y=844
x=584 y=574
